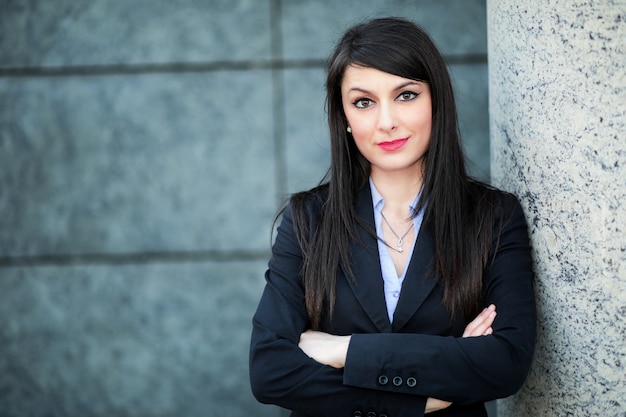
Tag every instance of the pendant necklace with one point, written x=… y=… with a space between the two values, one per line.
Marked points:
x=400 y=238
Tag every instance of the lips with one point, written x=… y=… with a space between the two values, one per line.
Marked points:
x=393 y=145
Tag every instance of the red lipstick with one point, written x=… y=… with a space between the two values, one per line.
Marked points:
x=393 y=145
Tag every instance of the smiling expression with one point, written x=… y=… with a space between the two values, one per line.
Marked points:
x=390 y=118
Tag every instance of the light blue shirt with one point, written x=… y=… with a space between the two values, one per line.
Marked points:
x=392 y=282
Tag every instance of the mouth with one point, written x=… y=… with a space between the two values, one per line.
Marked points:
x=393 y=145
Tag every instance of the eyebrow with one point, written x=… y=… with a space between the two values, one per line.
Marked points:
x=399 y=87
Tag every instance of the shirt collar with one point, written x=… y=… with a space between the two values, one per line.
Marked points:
x=379 y=202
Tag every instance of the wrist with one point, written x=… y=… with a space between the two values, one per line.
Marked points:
x=344 y=343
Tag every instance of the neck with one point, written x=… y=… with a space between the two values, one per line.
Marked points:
x=398 y=189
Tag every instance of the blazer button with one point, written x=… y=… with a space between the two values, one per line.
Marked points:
x=397 y=381
x=371 y=414
x=357 y=413
x=411 y=382
x=383 y=380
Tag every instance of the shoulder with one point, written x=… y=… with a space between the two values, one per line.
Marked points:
x=509 y=223
x=503 y=204
x=301 y=212
x=501 y=209
x=507 y=207
x=308 y=204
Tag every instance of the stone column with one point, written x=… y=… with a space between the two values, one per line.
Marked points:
x=558 y=141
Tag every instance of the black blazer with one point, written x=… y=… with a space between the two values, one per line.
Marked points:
x=391 y=369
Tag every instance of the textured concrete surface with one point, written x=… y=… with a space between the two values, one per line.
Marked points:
x=135 y=340
x=105 y=32
x=315 y=36
x=558 y=106
x=144 y=149
x=115 y=163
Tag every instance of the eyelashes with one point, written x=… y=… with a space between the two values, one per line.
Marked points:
x=407 y=95
x=363 y=103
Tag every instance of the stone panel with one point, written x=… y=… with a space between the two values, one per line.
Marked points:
x=307 y=141
x=153 y=162
x=310 y=31
x=470 y=83
x=104 y=32
x=134 y=340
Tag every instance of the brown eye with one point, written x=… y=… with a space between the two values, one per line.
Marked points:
x=363 y=103
x=407 y=96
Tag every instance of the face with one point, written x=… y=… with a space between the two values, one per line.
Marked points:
x=390 y=118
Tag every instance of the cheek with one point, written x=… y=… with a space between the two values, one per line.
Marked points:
x=420 y=119
x=422 y=125
x=427 y=124
x=360 y=139
x=361 y=125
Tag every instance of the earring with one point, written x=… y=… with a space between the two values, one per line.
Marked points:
x=349 y=129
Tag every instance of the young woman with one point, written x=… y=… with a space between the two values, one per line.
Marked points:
x=381 y=291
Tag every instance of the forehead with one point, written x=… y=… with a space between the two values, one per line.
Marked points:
x=371 y=79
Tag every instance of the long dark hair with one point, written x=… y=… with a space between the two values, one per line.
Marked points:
x=459 y=213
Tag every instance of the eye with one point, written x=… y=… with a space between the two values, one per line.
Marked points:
x=362 y=103
x=407 y=96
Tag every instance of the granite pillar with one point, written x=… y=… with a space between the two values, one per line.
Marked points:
x=558 y=129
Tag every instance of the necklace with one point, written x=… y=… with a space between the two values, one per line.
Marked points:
x=400 y=238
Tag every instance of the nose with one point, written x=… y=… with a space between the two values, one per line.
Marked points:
x=387 y=117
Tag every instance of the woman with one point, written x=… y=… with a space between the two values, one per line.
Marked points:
x=376 y=274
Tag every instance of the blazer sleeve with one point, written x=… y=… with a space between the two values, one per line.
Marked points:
x=464 y=370
x=281 y=373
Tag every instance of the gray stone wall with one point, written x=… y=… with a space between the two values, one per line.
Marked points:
x=144 y=149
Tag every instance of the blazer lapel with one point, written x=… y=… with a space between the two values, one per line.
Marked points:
x=368 y=284
x=418 y=281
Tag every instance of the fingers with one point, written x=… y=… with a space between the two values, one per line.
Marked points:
x=433 y=404
x=481 y=325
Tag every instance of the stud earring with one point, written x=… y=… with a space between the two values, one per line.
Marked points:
x=349 y=129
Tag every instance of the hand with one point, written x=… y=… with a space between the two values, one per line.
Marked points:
x=480 y=326
x=433 y=404
x=325 y=348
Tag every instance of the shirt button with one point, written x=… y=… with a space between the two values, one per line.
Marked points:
x=397 y=381
x=411 y=382
x=383 y=380
x=396 y=294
